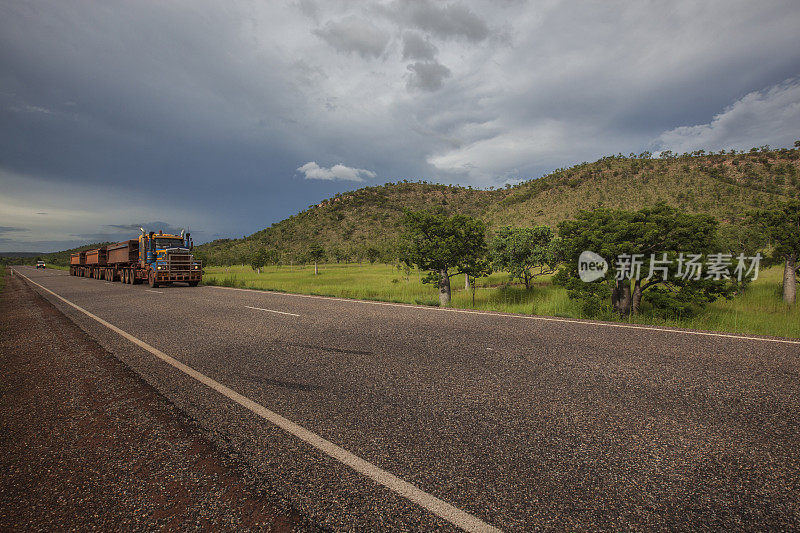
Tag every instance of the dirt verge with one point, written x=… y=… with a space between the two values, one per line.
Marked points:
x=87 y=444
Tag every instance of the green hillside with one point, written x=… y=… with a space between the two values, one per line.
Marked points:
x=725 y=185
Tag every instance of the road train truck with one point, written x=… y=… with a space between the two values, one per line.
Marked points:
x=157 y=258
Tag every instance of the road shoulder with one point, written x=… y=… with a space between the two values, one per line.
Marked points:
x=87 y=444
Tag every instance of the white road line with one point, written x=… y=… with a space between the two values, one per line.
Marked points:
x=151 y=290
x=433 y=504
x=271 y=311
x=524 y=317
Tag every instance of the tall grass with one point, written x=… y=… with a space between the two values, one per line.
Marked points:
x=758 y=310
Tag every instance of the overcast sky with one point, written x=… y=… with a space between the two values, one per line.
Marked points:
x=228 y=116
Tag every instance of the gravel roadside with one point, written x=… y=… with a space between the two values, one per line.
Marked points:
x=86 y=444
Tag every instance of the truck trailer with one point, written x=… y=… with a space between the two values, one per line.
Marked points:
x=76 y=263
x=157 y=258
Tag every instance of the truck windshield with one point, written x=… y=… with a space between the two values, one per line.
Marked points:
x=169 y=243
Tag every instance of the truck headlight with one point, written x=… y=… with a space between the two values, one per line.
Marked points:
x=159 y=267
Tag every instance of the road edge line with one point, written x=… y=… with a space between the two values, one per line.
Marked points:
x=382 y=477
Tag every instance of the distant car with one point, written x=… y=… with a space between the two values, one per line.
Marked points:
x=39 y=264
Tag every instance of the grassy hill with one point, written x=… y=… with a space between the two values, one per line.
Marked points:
x=725 y=185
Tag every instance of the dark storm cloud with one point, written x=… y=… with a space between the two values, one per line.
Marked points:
x=119 y=232
x=443 y=21
x=201 y=113
x=148 y=226
x=354 y=34
x=427 y=76
x=415 y=46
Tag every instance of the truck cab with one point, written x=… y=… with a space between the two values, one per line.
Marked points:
x=167 y=258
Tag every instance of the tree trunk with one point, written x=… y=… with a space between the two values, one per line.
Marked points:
x=315 y=268
x=527 y=279
x=637 y=297
x=444 y=288
x=789 y=282
x=621 y=297
x=466 y=282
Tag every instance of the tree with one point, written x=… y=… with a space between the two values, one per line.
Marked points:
x=316 y=253
x=445 y=247
x=339 y=255
x=782 y=224
x=259 y=259
x=525 y=252
x=372 y=253
x=655 y=251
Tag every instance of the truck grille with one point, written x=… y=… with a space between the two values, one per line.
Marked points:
x=179 y=262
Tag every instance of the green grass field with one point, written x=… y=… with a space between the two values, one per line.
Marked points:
x=759 y=310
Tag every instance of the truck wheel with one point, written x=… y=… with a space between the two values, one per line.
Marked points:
x=152 y=279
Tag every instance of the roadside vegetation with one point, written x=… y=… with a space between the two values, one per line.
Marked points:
x=758 y=310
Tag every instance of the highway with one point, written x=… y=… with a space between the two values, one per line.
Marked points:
x=371 y=416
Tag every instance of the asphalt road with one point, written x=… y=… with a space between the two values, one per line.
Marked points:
x=518 y=422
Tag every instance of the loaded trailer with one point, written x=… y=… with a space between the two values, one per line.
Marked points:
x=155 y=258
x=76 y=263
x=96 y=262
